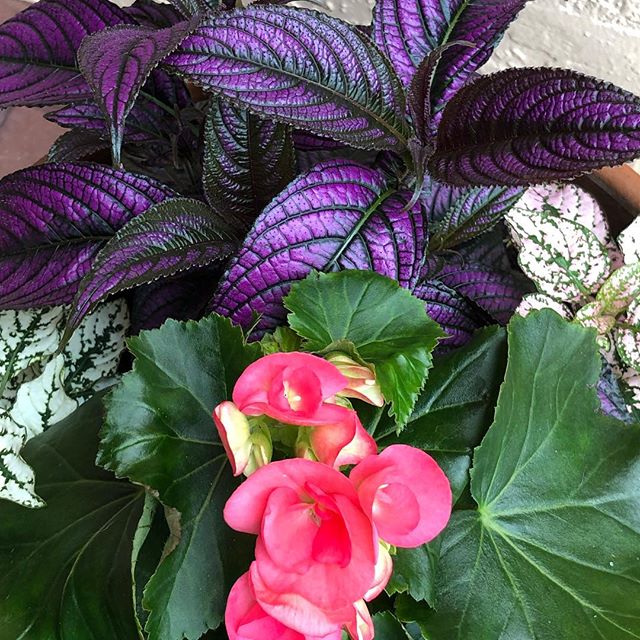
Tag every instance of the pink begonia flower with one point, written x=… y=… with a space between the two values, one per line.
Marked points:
x=317 y=548
x=246 y=451
x=384 y=569
x=361 y=625
x=299 y=389
x=362 y=383
x=245 y=619
x=405 y=493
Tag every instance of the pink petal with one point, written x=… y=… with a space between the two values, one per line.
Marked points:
x=328 y=440
x=246 y=506
x=406 y=493
x=361 y=625
x=358 y=449
x=246 y=620
x=328 y=585
x=288 y=530
x=296 y=612
x=233 y=428
x=254 y=383
x=384 y=569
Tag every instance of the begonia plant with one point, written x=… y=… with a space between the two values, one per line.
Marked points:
x=306 y=333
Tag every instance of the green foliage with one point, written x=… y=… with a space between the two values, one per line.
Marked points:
x=552 y=549
x=384 y=323
x=66 y=569
x=159 y=432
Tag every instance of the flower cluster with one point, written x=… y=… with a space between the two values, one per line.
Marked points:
x=324 y=538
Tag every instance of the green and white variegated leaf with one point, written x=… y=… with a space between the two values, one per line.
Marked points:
x=627 y=337
x=594 y=316
x=93 y=352
x=631 y=380
x=48 y=389
x=537 y=301
x=27 y=337
x=565 y=259
x=621 y=289
x=16 y=476
x=629 y=242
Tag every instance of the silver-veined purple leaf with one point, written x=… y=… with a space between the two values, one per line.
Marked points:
x=190 y=8
x=182 y=297
x=247 y=162
x=460 y=214
x=38 y=50
x=172 y=236
x=148 y=13
x=452 y=311
x=76 y=145
x=301 y=68
x=340 y=215
x=53 y=221
x=117 y=62
x=527 y=126
x=495 y=292
x=408 y=30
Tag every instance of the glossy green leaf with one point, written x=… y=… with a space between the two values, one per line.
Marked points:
x=552 y=550
x=160 y=433
x=388 y=327
x=66 y=569
x=414 y=572
x=388 y=627
x=456 y=406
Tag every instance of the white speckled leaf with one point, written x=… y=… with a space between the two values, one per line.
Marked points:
x=536 y=301
x=16 y=476
x=47 y=389
x=631 y=379
x=27 y=337
x=43 y=401
x=627 y=337
x=93 y=352
x=594 y=316
x=629 y=242
x=563 y=258
x=620 y=289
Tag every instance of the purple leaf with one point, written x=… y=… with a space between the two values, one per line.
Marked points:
x=338 y=216
x=497 y=293
x=38 y=50
x=116 y=63
x=76 y=145
x=148 y=13
x=183 y=297
x=525 y=126
x=190 y=8
x=247 y=162
x=489 y=249
x=460 y=214
x=53 y=221
x=302 y=68
x=172 y=236
x=408 y=30
x=456 y=315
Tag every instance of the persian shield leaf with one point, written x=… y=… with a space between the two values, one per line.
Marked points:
x=247 y=161
x=408 y=30
x=76 y=145
x=526 y=126
x=340 y=215
x=388 y=327
x=170 y=237
x=191 y=7
x=117 y=62
x=148 y=13
x=51 y=557
x=459 y=215
x=53 y=221
x=302 y=68
x=38 y=50
x=159 y=432
x=523 y=565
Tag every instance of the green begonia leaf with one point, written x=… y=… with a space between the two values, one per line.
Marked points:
x=388 y=327
x=160 y=433
x=66 y=569
x=388 y=627
x=552 y=551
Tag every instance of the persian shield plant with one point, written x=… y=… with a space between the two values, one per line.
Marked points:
x=312 y=236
